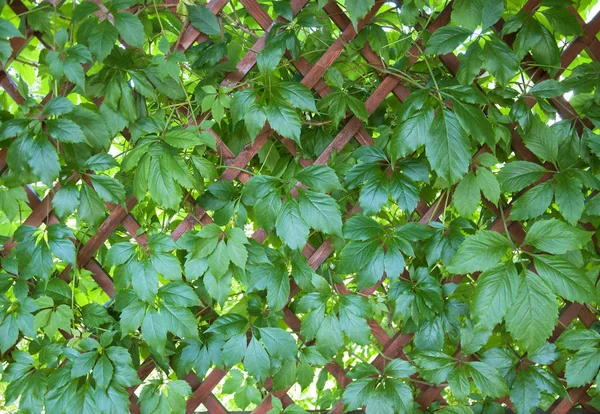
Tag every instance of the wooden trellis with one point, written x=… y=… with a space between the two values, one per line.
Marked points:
x=312 y=77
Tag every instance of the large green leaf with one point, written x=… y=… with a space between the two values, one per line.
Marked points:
x=533 y=313
x=568 y=280
x=496 y=288
x=357 y=9
x=130 y=28
x=256 y=360
x=204 y=20
x=321 y=211
x=555 y=236
x=102 y=39
x=479 y=252
x=448 y=147
x=446 y=39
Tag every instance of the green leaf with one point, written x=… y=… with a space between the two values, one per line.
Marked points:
x=494 y=293
x=241 y=102
x=533 y=203
x=542 y=141
x=234 y=350
x=533 y=313
x=562 y=21
x=236 y=239
x=491 y=13
x=548 y=88
x=446 y=39
x=321 y=211
x=103 y=372
x=472 y=119
x=569 y=198
x=291 y=227
x=435 y=366
x=567 y=279
x=544 y=355
x=466 y=195
x=319 y=177
x=448 y=148
x=579 y=339
x=279 y=343
x=410 y=134
x=357 y=9
x=144 y=280
x=102 y=39
x=399 y=394
x=268 y=59
x=546 y=51
x=167 y=265
x=374 y=194
x=470 y=64
x=556 y=237
x=9 y=333
x=94 y=127
x=180 y=321
x=8 y=30
x=275 y=280
x=218 y=261
x=57 y=106
x=405 y=192
x=284 y=120
x=527 y=37
x=256 y=360
x=91 y=207
x=524 y=393
x=467 y=13
x=65 y=130
x=358 y=392
x=163 y=187
x=108 y=188
x=329 y=337
x=101 y=162
x=186 y=138
x=83 y=364
x=356 y=254
x=488 y=183
x=204 y=20
x=479 y=252
x=154 y=330
x=500 y=60
x=353 y=313
x=130 y=28
x=458 y=381
x=582 y=367
x=62 y=248
x=487 y=380
x=298 y=95
x=517 y=175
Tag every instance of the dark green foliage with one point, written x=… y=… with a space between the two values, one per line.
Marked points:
x=360 y=204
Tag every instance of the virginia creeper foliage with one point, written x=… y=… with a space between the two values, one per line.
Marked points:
x=292 y=205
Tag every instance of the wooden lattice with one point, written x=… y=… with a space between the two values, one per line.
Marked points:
x=312 y=76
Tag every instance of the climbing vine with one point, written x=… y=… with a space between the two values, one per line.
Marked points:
x=295 y=205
